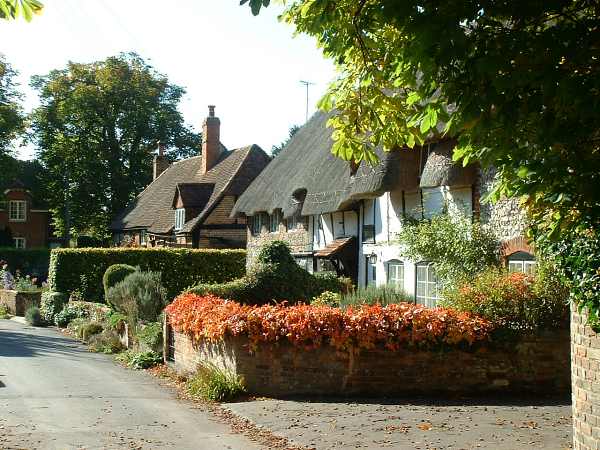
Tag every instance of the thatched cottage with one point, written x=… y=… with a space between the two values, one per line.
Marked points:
x=337 y=218
x=188 y=204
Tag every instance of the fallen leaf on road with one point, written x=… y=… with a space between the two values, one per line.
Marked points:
x=425 y=426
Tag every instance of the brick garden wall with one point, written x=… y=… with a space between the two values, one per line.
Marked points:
x=585 y=376
x=18 y=302
x=536 y=365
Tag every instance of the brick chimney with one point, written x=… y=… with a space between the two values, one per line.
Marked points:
x=211 y=144
x=161 y=162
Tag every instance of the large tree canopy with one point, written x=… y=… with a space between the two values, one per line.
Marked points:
x=96 y=130
x=11 y=112
x=518 y=82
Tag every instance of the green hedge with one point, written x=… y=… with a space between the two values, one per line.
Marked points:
x=82 y=269
x=29 y=261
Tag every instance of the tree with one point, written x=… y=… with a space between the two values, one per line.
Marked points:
x=96 y=130
x=517 y=82
x=277 y=148
x=11 y=9
x=12 y=122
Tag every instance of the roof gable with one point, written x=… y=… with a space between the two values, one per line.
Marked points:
x=152 y=209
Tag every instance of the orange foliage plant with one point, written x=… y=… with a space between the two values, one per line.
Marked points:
x=392 y=326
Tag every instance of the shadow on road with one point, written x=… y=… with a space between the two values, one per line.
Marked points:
x=15 y=344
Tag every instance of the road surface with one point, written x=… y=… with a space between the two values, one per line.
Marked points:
x=54 y=394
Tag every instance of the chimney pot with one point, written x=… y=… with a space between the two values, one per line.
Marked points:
x=211 y=110
x=161 y=148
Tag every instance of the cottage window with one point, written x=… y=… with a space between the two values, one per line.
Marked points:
x=179 y=218
x=19 y=242
x=143 y=238
x=371 y=271
x=275 y=221
x=395 y=273
x=256 y=224
x=291 y=223
x=522 y=262
x=428 y=287
x=17 y=210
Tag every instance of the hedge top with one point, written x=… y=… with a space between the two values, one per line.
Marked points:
x=82 y=269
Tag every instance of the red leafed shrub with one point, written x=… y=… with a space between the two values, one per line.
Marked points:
x=392 y=326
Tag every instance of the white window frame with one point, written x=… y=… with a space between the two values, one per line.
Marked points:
x=291 y=223
x=427 y=291
x=371 y=268
x=20 y=242
x=143 y=237
x=19 y=214
x=522 y=266
x=179 y=218
x=395 y=273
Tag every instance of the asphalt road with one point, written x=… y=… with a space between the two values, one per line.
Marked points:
x=54 y=394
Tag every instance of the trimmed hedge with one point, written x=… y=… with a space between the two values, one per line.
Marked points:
x=83 y=268
x=29 y=261
x=115 y=274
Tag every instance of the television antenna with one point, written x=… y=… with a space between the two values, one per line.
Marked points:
x=307 y=84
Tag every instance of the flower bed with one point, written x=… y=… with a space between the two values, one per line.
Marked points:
x=392 y=327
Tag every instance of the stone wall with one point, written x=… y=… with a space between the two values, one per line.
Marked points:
x=506 y=217
x=585 y=377
x=298 y=240
x=533 y=365
x=18 y=302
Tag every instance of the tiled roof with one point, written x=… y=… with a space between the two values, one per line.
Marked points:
x=153 y=208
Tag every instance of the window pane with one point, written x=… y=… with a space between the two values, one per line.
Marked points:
x=421 y=273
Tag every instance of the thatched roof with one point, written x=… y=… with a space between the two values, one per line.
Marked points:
x=306 y=177
x=153 y=208
x=441 y=170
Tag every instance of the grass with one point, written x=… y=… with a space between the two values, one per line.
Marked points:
x=384 y=295
x=215 y=384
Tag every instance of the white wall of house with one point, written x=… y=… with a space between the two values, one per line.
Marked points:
x=386 y=213
x=324 y=228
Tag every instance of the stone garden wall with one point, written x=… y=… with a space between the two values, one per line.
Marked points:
x=18 y=302
x=585 y=375
x=533 y=365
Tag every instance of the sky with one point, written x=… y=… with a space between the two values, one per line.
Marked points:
x=249 y=67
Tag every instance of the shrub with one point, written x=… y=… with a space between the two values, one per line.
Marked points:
x=459 y=248
x=151 y=335
x=115 y=274
x=140 y=296
x=33 y=316
x=393 y=326
x=180 y=268
x=4 y=314
x=90 y=329
x=140 y=360
x=51 y=304
x=374 y=295
x=25 y=284
x=327 y=298
x=106 y=342
x=215 y=384
x=116 y=321
x=275 y=277
x=509 y=300
x=96 y=312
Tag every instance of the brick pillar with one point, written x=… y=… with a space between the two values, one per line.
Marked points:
x=211 y=144
x=585 y=381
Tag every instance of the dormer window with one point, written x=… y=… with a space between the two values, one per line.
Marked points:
x=179 y=218
x=17 y=210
